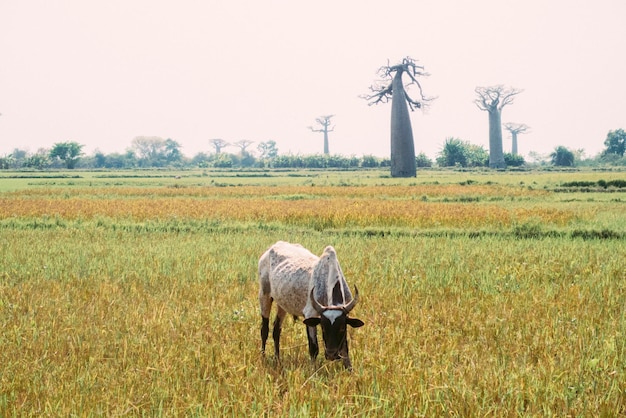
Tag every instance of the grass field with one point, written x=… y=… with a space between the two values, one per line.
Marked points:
x=483 y=293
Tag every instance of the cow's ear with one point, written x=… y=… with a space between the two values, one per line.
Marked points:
x=355 y=323
x=312 y=322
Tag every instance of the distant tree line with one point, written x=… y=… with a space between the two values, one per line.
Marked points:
x=156 y=152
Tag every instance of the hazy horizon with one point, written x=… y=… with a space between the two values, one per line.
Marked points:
x=101 y=74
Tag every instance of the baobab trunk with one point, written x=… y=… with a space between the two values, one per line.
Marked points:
x=514 y=143
x=325 y=142
x=496 y=154
x=402 y=146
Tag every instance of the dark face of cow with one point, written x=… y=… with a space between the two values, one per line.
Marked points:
x=334 y=322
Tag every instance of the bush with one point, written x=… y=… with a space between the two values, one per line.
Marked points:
x=369 y=161
x=460 y=153
x=422 y=160
x=513 y=160
x=223 y=161
x=562 y=157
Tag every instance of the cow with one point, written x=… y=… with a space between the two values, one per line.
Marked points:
x=305 y=285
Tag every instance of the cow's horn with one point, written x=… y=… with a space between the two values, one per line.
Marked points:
x=354 y=300
x=316 y=305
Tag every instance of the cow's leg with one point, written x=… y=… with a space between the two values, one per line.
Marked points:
x=278 y=323
x=345 y=356
x=265 y=330
x=314 y=349
x=265 y=302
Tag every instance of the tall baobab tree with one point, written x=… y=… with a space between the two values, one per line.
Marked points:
x=324 y=122
x=392 y=86
x=515 y=129
x=493 y=99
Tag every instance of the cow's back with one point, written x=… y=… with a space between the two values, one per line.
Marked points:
x=284 y=272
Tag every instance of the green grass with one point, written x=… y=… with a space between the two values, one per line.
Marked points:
x=115 y=316
x=546 y=179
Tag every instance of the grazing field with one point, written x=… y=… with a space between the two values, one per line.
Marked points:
x=483 y=293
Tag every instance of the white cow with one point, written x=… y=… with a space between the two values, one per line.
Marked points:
x=303 y=284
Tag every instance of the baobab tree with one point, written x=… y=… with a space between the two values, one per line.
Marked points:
x=243 y=144
x=218 y=144
x=515 y=129
x=493 y=99
x=392 y=86
x=324 y=122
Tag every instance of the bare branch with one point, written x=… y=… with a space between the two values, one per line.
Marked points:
x=218 y=144
x=243 y=144
x=495 y=97
x=324 y=121
x=509 y=96
x=381 y=94
x=382 y=91
x=413 y=103
x=517 y=128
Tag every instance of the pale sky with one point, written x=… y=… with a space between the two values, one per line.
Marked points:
x=103 y=72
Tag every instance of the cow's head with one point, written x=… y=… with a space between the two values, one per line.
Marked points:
x=334 y=321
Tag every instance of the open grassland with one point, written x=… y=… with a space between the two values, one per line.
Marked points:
x=483 y=294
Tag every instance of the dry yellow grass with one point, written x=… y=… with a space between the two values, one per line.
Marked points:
x=320 y=207
x=102 y=320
